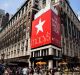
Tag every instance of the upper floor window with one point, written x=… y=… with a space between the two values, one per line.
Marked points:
x=23 y=11
x=19 y=14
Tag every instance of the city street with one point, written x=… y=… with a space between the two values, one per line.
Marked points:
x=39 y=37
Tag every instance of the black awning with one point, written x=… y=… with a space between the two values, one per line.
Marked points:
x=16 y=63
x=49 y=57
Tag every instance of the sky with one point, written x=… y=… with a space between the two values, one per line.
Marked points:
x=75 y=4
x=11 y=6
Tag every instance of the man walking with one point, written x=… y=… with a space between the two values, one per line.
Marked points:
x=25 y=71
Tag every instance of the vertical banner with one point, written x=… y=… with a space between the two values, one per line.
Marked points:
x=56 y=34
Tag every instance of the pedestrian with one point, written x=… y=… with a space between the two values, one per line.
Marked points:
x=52 y=71
x=9 y=71
x=1 y=70
x=31 y=71
x=14 y=71
x=19 y=71
x=6 y=72
x=25 y=71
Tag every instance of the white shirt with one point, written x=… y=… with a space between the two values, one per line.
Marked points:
x=25 y=70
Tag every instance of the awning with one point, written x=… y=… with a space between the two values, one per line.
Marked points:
x=63 y=63
x=41 y=63
x=45 y=58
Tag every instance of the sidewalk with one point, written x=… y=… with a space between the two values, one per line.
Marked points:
x=59 y=73
x=36 y=74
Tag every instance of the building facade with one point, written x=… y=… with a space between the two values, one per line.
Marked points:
x=16 y=40
x=15 y=36
x=70 y=34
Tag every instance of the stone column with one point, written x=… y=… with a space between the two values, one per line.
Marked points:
x=29 y=48
x=20 y=53
x=17 y=50
x=25 y=47
x=50 y=51
x=50 y=62
x=28 y=51
x=13 y=53
x=33 y=54
x=40 y=52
